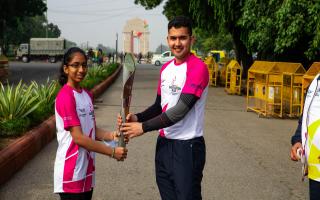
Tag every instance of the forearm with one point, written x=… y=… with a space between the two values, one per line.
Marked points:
x=104 y=135
x=88 y=143
x=297 y=136
x=171 y=116
x=151 y=112
x=93 y=145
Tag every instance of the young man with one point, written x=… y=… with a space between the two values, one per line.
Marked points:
x=178 y=114
x=306 y=140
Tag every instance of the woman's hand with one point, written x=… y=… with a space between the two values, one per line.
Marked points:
x=116 y=136
x=119 y=153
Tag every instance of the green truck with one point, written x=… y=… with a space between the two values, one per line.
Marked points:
x=50 y=49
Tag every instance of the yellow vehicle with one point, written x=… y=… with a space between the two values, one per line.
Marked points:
x=196 y=53
x=218 y=55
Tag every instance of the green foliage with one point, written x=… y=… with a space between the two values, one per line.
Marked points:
x=148 y=4
x=23 y=106
x=14 y=127
x=206 y=41
x=161 y=48
x=281 y=28
x=13 y=11
x=29 y=27
x=97 y=73
x=16 y=103
x=46 y=94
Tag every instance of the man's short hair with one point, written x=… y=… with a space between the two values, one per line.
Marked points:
x=181 y=21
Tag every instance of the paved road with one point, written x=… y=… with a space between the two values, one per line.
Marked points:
x=39 y=71
x=247 y=156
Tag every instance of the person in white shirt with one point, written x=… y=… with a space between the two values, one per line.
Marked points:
x=178 y=114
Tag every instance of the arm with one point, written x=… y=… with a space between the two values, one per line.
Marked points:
x=103 y=135
x=92 y=145
x=150 y=112
x=297 y=135
x=166 y=119
x=171 y=116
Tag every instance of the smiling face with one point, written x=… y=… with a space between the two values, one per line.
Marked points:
x=76 y=70
x=180 y=41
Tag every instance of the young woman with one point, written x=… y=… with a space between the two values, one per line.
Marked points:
x=74 y=168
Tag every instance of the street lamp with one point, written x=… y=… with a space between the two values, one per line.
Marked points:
x=46 y=2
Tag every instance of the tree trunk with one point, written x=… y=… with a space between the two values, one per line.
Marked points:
x=242 y=55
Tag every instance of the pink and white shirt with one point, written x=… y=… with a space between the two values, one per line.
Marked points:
x=189 y=77
x=74 y=167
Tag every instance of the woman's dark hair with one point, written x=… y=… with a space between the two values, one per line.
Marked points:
x=67 y=57
x=181 y=21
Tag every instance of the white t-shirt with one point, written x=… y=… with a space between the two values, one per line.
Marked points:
x=74 y=166
x=189 y=77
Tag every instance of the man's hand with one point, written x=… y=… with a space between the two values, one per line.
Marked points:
x=130 y=118
x=132 y=129
x=293 y=153
x=117 y=136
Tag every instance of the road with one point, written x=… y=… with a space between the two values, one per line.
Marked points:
x=247 y=156
x=38 y=71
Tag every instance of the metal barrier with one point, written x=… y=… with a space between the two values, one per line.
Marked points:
x=213 y=70
x=307 y=78
x=233 y=78
x=274 y=88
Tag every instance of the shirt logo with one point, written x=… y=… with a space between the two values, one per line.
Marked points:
x=174 y=88
x=82 y=112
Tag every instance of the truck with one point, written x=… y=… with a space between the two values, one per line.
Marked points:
x=159 y=59
x=50 y=49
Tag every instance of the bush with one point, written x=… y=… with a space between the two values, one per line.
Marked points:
x=46 y=95
x=97 y=73
x=16 y=103
x=23 y=106
x=14 y=127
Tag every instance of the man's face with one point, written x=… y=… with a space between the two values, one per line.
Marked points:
x=179 y=42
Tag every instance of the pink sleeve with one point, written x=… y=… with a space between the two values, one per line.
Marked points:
x=66 y=108
x=197 y=78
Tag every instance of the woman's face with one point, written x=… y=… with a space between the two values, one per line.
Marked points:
x=76 y=69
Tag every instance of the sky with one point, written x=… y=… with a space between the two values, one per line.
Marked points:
x=98 y=21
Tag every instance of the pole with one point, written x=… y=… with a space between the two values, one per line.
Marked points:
x=116 y=47
x=46 y=18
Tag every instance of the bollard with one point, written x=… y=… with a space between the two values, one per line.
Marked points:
x=4 y=67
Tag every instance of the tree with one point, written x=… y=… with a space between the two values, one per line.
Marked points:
x=13 y=11
x=213 y=16
x=206 y=41
x=161 y=48
x=283 y=31
x=30 y=27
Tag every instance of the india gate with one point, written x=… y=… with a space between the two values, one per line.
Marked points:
x=136 y=29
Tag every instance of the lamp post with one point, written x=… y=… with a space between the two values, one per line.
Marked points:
x=116 y=46
x=46 y=1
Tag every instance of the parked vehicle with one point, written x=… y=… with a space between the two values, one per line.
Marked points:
x=218 y=55
x=51 y=49
x=162 y=58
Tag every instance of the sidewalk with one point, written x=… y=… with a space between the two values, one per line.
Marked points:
x=247 y=156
